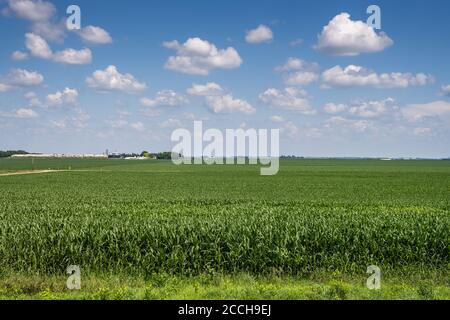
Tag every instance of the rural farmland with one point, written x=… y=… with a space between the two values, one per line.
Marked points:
x=154 y=230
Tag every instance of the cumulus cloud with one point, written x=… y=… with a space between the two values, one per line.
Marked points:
x=117 y=123
x=218 y=100
x=111 y=79
x=349 y=124
x=291 y=128
x=138 y=126
x=32 y=10
x=4 y=87
x=39 y=48
x=364 y=109
x=296 y=42
x=41 y=14
x=297 y=72
x=21 y=78
x=67 y=96
x=423 y=131
x=334 y=108
x=33 y=100
x=199 y=57
x=21 y=113
x=50 y=31
x=276 y=118
x=167 y=98
x=357 y=76
x=445 y=90
x=289 y=98
x=77 y=120
x=171 y=123
x=417 y=112
x=208 y=89
x=25 y=113
x=19 y=55
x=95 y=35
x=227 y=104
x=72 y=56
x=344 y=37
x=259 y=35
x=372 y=109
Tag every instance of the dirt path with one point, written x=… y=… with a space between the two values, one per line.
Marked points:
x=27 y=172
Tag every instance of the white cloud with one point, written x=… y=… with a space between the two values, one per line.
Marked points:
x=4 y=87
x=33 y=100
x=19 y=55
x=50 y=31
x=416 y=112
x=372 y=109
x=227 y=103
x=292 y=64
x=32 y=10
x=349 y=124
x=300 y=78
x=218 y=100
x=38 y=46
x=445 y=90
x=208 y=89
x=67 y=96
x=164 y=98
x=259 y=35
x=291 y=129
x=276 y=118
x=295 y=132
x=77 y=121
x=95 y=35
x=334 y=108
x=151 y=112
x=25 y=113
x=72 y=56
x=21 y=78
x=59 y=124
x=289 y=98
x=21 y=113
x=364 y=109
x=422 y=131
x=297 y=72
x=41 y=14
x=80 y=119
x=357 y=76
x=344 y=37
x=138 y=126
x=118 y=123
x=199 y=57
x=296 y=42
x=171 y=123
x=111 y=79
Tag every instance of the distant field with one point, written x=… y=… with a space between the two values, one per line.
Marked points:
x=316 y=222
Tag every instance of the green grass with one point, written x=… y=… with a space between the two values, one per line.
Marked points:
x=210 y=287
x=314 y=220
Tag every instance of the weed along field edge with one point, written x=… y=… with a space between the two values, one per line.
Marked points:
x=154 y=230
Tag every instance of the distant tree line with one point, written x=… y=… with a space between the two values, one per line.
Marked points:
x=291 y=157
x=9 y=153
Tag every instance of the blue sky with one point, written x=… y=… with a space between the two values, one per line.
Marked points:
x=137 y=70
